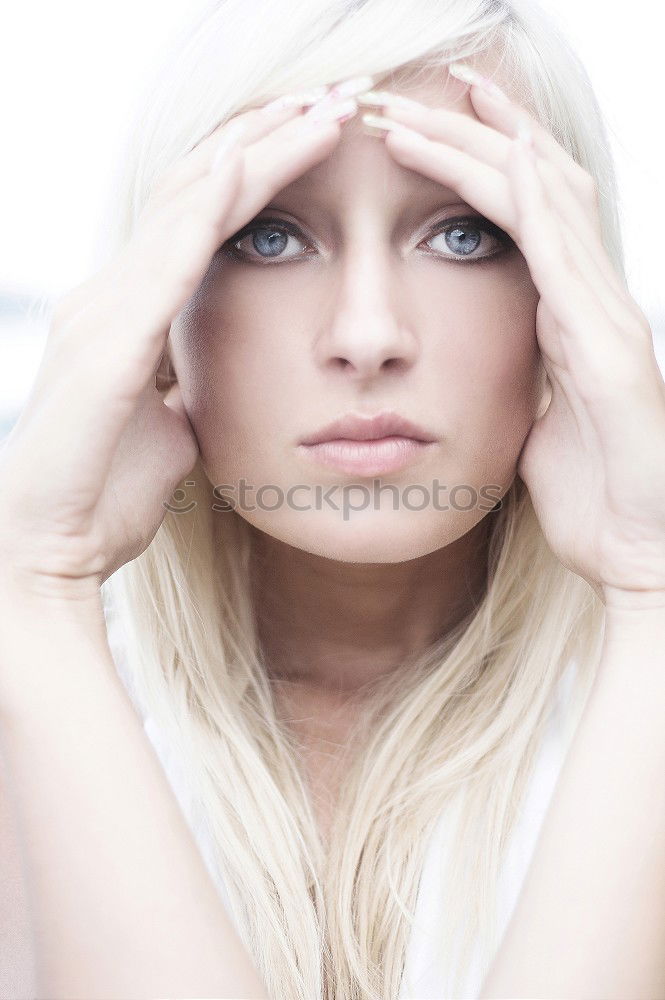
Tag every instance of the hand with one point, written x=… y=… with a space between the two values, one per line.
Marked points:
x=594 y=461
x=97 y=451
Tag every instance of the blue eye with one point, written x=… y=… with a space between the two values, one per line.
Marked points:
x=463 y=236
x=268 y=240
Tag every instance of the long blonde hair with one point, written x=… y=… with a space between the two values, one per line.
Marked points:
x=461 y=723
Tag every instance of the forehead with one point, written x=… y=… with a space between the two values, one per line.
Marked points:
x=360 y=167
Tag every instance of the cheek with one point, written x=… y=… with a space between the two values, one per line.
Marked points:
x=506 y=350
x=235 y=369
x=488 y=361
x=479 y=366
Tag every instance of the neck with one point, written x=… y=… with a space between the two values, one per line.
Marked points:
x=333 y=626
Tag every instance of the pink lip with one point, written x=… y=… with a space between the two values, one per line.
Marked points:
x=362 y=445
x=372 y=457
x=358 y=427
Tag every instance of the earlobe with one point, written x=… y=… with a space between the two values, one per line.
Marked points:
x=173 y=399
x=545 y=398
x=165 y=375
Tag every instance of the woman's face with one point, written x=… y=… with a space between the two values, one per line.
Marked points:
x=362 y=308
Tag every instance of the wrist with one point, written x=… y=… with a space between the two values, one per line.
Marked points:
x=68 y=596
x=638 y=629
x=36 y=610
x=51 y=641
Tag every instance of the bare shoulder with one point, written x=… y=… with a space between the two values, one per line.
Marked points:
x=16 y=950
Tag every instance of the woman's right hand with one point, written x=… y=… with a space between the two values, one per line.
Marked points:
x=97 y=449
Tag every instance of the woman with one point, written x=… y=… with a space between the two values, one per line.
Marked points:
x=348 y=655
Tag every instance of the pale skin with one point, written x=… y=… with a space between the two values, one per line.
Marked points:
x=337 y=607
x=603 y=432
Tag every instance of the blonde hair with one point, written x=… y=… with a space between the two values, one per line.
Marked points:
x=463 y=722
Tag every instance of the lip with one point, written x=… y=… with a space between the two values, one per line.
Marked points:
x=357 y=427
x=367 y=446
x=375 y=457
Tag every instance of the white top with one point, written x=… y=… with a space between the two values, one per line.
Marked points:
x=424 y=978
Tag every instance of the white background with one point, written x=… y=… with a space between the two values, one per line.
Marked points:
x=71 y=73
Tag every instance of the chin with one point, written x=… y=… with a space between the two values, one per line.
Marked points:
x=367 y=536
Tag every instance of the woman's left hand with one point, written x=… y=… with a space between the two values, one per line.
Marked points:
x=594 y=461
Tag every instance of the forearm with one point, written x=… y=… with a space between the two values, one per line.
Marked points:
x=121 y=901
x=590 y=921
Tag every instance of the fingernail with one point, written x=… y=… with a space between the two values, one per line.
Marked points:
x=471 y=76
x=383 y=124
x=463 y=72
x=327 y=110
x=228 y=140
x=295 y=100
x=351 y=87
x=384 y=98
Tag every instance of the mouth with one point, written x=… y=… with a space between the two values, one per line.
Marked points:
x=366 y=458
x=367 y=446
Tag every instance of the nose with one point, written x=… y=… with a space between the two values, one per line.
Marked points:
x=364 y=332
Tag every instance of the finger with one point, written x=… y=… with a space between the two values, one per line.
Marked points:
x=256 y=123
x=599 y=355
x=491 y=147
x=452 y=127
x=488 y=190
x=608 y=380
x=487 y=138
x=283 y=155
x=482 y=186
x=194 y=166
x=505 y=115
x=121 y=331
x=166 y=258
x=593 y=263
x=584 y=248
x=294 y=135
x=96 y=366
x=584 y=224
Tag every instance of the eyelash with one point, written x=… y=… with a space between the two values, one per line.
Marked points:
x=477 y=222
